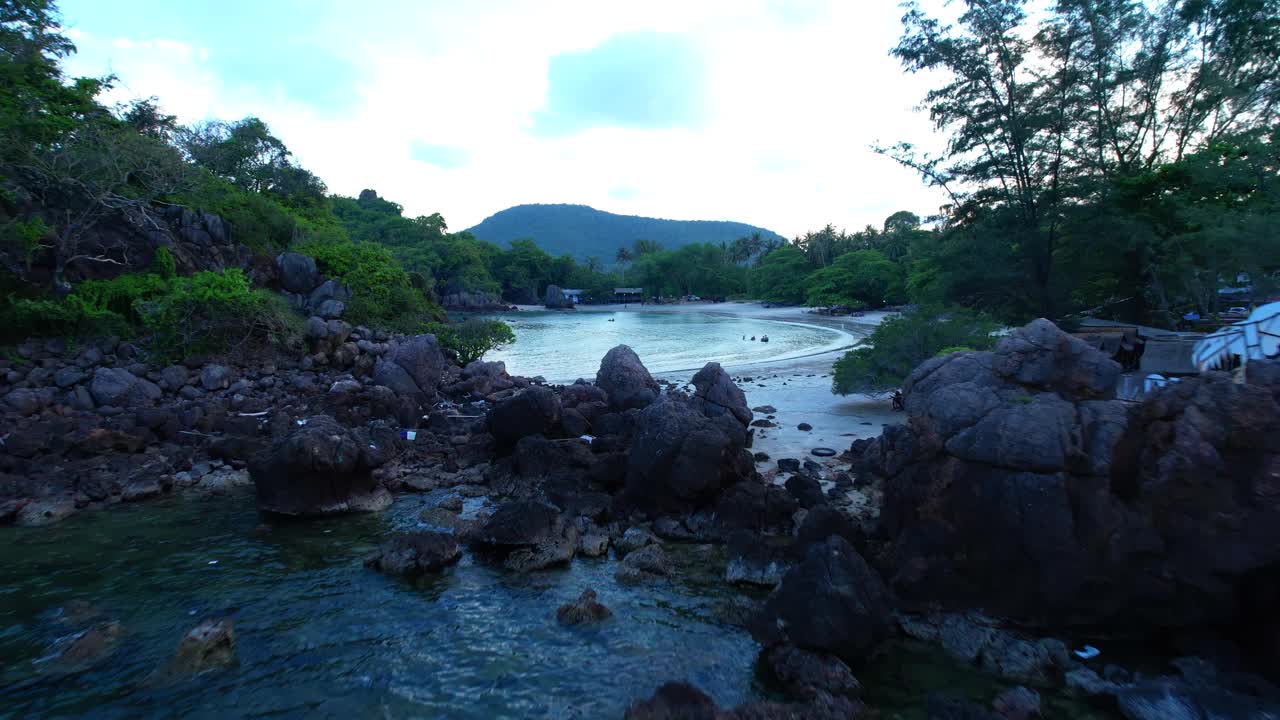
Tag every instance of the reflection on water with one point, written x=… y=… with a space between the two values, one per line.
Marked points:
x=563 y=346
x=319 y=635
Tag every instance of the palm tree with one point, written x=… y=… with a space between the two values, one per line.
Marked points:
x=623 y=256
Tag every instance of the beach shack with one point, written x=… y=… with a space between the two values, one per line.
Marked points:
x=572 y=295
x=628 y=295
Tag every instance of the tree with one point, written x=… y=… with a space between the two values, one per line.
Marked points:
x=901 y=343
x=100 y=170
x=859 y=278
x=780 y=276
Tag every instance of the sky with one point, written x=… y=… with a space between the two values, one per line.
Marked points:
x=759 y=111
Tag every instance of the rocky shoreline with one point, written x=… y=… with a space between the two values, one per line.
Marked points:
x=1020 y=502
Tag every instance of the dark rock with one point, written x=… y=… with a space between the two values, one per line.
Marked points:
x=831 y=602
x=23 y=401
x=823 y=521
x=788 y=465
x=68 y=376
x=535 y=411
x=317 y=469
x=298 y=273
x=120 y=388
x=806 y=490
x=806 y=427
x=626 y=380
x=415 y=553
x=421 y=359
x=1017 y=464
x=674 y=701
x=558 y=550
x=634 y=539
x=215 y=377
x=716 y=394
x=763 y=423
x=554 y=299
x=586 y=609
x=754 y=560
x=520 y=523
x=765 y=409
x=806 y=674
x=390 y=375
x=681 y=459
x=1017 y=703
x=755 y=506
x=207 y=646
x=646 y=563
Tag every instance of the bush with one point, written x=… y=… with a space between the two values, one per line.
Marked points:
x=216 y=312
x=899 y=344
x=381 y=292
x=207 y=312
x=472 y=338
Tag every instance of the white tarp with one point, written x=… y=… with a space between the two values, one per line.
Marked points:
x=1254 y=338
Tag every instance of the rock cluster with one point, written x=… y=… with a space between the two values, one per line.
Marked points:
x=1020 y=484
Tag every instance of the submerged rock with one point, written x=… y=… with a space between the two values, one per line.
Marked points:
x=647 y=563
x=208 y=646
x=586 y=609
x=416 y=553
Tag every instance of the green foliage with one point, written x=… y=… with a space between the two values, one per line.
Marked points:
x=953 y=349
x=859 y=278
x=901 y=343
x=162 y=264
x=206 y=312
x=473 y=337
x=780 y=276
x=381 y=293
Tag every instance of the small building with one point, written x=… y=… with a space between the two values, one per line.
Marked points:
x=1118 y=342
x=572 y=295
x=628 y=295
x=1170 y=355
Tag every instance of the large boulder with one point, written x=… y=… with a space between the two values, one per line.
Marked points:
x=535 y=411
x=626 y=380
x=120 y=388
x=298 y=273
x=717 y=394
x=831 y=602
x=422 y=361
x=682 y=459
x=319 y=468
x=520 y=523
x=1019 y=485
x=554 y=299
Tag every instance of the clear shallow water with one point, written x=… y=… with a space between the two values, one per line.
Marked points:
x=319 y=635
x=564 y=346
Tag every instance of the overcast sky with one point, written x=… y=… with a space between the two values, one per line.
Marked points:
x=761 y=111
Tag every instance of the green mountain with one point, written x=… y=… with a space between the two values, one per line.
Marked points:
x=585 y=232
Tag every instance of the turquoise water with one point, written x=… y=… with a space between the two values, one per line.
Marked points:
x=563 y=346
x=319 y=635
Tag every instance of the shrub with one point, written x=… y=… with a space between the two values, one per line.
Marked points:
x=381 y=292
x=901 y=343
x=472 y=338
x=212 y=312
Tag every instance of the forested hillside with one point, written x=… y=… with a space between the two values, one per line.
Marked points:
x=585 y=232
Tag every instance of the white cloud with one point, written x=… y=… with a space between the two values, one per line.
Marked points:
x=795 y=97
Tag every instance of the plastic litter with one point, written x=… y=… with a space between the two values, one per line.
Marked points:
x=587 y=438
x=213 y=562
x=302 y=421
x=1088 y=652
x=409 y=434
